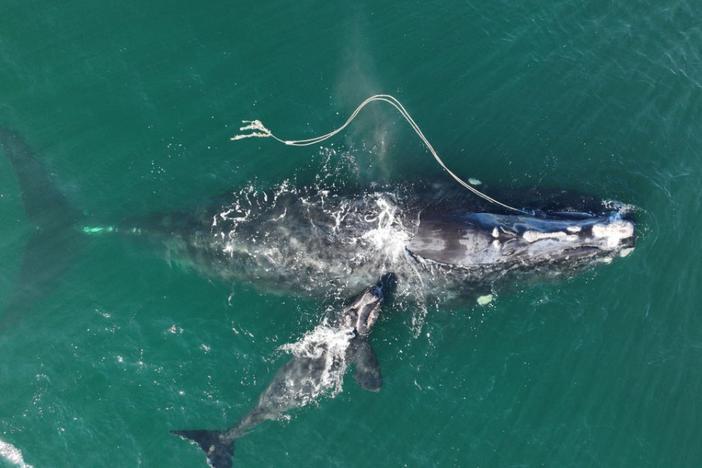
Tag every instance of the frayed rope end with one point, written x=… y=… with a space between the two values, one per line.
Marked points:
x=258 y=130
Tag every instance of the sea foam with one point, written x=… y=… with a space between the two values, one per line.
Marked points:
x=12 y=454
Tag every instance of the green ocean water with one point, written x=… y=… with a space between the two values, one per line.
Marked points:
x=131 y=106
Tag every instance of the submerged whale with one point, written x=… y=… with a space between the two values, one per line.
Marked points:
x=54 y=239
x=321 y=363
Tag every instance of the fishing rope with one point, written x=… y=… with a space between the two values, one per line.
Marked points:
x=258 y=130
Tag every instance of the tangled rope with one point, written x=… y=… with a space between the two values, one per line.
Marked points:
x=258 y=130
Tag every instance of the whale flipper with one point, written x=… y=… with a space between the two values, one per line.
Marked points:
x=366 y=365
x=218 y=449
x=367 y=368
x=53 y=242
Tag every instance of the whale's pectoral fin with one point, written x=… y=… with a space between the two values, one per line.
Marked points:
x=367 y=368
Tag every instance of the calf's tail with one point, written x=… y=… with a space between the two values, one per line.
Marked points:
x=218 y=448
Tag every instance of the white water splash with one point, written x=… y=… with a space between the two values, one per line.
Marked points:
x=12 y=454
x=389 y=236
x=329 y=344
x=622 y=208
x=301 y=237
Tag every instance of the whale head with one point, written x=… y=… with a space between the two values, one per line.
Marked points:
x=363 y=312
x=543 y=241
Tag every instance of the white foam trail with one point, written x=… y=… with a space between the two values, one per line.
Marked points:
x=12 y=454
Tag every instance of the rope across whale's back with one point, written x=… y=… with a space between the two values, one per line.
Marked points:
x=256 y=129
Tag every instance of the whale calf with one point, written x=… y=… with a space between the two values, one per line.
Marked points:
x=321 y=364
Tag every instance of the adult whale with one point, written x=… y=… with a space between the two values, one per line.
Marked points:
x=319 y=365
x=440 y=241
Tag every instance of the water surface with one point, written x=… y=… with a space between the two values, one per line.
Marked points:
x=131 y=105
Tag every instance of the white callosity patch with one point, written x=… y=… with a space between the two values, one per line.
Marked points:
x=533 y=236
x=605 y=234
x=613 y=232
x=604 y=237
x=12 y=454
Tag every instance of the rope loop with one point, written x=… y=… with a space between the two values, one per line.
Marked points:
x=256 y=129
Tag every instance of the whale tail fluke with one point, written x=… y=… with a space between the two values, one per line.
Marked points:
x=218 y=449
x=53 y=243
x=43 y=201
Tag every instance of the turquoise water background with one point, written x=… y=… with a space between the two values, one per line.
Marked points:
x=131 y=104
